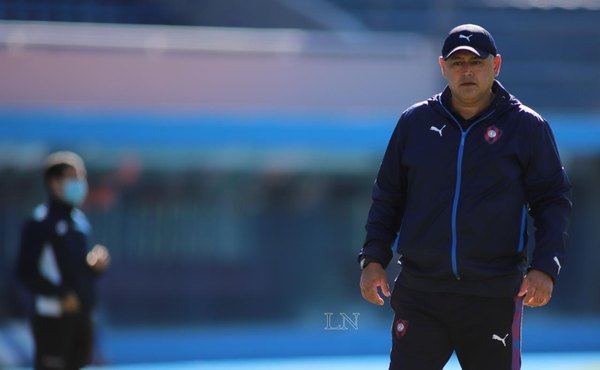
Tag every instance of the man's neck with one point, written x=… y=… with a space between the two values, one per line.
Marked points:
x=56 y=202
x=470 y=110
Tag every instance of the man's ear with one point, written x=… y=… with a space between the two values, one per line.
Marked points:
x=442 y=66
x=497 y=64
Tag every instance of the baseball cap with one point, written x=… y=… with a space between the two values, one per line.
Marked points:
x=469 y=37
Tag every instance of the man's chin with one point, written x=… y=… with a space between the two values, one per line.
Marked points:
x=468 y=96
x=469 y=88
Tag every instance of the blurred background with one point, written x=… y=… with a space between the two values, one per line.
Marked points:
x=231 y=148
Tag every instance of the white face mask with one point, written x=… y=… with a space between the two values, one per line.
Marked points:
x=75 y=191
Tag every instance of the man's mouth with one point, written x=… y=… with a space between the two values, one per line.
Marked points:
x=468 y=84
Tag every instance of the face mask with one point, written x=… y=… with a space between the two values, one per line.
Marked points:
x=75 y=191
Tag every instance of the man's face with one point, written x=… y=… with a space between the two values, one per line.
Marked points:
x=470 y=77
x=58 y=186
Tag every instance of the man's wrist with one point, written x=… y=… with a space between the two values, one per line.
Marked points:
x=367 y=260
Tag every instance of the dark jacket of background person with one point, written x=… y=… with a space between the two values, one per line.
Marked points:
x=52 y=258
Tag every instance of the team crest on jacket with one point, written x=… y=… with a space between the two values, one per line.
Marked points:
x=492 y=134
x=400 y=328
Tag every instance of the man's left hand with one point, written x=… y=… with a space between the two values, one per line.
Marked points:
x=536 y=289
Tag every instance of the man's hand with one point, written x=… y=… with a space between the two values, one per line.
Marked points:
x=373 y=277
x=70 y=303
x=98 y=258
x=536 y=289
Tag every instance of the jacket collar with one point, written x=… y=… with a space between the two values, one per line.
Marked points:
x=503 y=101
x=59 y=207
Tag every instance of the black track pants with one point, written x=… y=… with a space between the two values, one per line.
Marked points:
x=63 y=343
x=484 y=332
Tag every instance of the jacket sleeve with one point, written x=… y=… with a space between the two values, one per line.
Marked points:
x=547 y=189
x=32 y=241
x=388 y=200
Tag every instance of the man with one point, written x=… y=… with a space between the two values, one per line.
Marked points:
x=55 y=264
x=459 y=175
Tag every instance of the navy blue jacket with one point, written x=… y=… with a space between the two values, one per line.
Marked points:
x=457 y=198
x=52 y=257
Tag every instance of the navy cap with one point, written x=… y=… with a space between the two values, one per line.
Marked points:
x=469 y=37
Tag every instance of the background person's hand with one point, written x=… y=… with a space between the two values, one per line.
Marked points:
x=70 y=303
x=98 y=258
x=372 y=278
x=536 y=289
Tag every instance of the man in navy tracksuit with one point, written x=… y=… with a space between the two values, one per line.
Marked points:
x=459 y=175
x=55 y=264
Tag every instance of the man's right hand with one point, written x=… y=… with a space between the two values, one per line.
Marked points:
x=373 y=277
x=70 y=303
x=98 y=258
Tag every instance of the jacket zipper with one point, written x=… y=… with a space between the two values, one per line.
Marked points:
x=463 y=136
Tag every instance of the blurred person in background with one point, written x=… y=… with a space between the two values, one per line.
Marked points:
x=55 y=264
x=459 y=175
